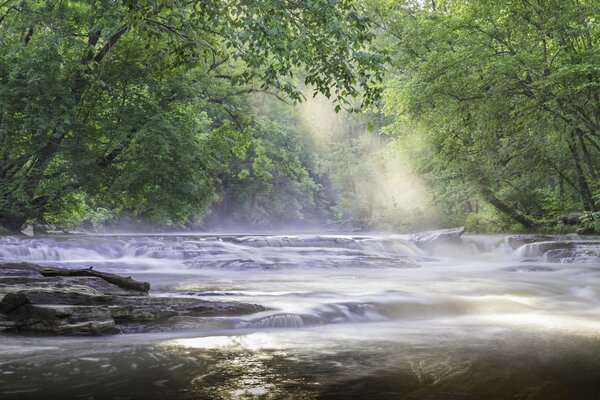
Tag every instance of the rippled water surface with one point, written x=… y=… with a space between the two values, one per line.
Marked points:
x=350 y=317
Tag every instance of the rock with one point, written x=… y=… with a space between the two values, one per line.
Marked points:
x=88 y=302
x=441 y=240
x=572 y=218
x=441 y=235
x=585 y=231
x=12 y=301
x=516 y=241
x=224 y=308
x=76 y=295
x=41 y=229
x=27 y=230
x=564 y=251
x=537 y=249
x=63 y=319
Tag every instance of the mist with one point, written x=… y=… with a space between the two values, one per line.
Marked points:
x=376 y=186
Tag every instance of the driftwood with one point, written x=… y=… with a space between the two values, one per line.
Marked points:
x=120 y=281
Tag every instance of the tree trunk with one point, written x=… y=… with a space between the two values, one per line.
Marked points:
x=585 y=191
x=515 y=214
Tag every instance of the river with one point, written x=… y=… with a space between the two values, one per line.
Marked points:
x=349 y=317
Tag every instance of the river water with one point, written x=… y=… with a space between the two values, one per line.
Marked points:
x=350 y=317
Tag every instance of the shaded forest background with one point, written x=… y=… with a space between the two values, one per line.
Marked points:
x=371 y=114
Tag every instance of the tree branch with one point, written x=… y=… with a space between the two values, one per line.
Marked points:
x=109 y=158
x=111 y=42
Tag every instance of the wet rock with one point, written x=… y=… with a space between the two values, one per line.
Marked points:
x=124 y=314
x=516 y=241
x=88 y=302
x=63 y=319
x=442 y=240
x=75 y=295
x=538 y=248
x=224 y=308
x=565 y=251
x=441 y=235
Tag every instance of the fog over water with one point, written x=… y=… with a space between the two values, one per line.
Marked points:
x=349 y=317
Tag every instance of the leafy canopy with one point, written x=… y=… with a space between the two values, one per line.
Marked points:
x=116 y=102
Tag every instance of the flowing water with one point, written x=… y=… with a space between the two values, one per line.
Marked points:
x=350 y=317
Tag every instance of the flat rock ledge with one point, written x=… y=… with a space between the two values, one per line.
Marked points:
x=62 y=301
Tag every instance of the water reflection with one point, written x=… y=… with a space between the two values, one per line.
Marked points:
x=246 y=367
x=415 y=360
x=558 y=324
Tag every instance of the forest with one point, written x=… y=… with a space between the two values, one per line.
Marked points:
x=354 y=114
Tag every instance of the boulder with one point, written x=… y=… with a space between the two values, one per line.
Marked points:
x=572 y=218
x=440 y=235
x=439 y=239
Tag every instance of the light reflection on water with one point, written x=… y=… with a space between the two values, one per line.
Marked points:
x=449 y=359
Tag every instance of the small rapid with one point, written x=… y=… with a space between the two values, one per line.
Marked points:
x=345 y=316
x=225 y=252
x=309 y=280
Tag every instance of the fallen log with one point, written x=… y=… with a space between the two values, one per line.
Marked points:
x=120 y=281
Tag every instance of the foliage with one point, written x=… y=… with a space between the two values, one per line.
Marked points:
x=276 y=180
x=136 y=106
x=171 y=111
x=591 y=219
x=506 y=93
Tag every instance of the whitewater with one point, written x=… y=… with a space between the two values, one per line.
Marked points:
x=347 y=317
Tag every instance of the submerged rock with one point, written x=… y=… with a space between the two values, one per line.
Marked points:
x=88 y=302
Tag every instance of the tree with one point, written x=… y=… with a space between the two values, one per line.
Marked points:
x=277 y=179
x=508 y=93
x=115 y=100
